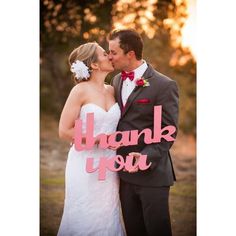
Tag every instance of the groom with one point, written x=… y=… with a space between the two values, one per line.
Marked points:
x=143 y=194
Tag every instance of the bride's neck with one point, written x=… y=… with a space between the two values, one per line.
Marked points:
x=98 y=78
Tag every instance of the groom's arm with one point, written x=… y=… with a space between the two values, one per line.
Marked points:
x=114 y=81
x=170 y=109
x=114 y=84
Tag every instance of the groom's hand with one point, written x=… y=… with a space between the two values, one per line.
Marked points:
x=136 y=156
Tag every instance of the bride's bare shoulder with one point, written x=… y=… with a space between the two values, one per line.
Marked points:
x=80 y=87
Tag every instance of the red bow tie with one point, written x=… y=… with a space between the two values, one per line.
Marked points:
x=125 y=75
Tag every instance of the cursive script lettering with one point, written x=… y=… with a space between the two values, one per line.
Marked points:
x=127 y=137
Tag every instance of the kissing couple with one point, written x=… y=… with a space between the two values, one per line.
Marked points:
x=129 y=202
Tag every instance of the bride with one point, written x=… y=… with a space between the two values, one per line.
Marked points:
x=91 y=206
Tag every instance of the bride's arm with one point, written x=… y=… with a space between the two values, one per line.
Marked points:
x=70 y=113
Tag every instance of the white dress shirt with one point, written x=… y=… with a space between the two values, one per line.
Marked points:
x=128 y=85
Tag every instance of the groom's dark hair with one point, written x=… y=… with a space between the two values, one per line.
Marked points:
x=130 y=40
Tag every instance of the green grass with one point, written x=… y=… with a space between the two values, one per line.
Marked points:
x=183 y=208
x=53 y=181
x=184 y=189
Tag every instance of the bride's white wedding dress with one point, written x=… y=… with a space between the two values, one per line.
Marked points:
x=92 y=206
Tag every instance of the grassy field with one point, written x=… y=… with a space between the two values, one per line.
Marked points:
x=52 y=167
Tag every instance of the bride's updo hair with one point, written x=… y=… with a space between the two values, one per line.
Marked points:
x=85 y=53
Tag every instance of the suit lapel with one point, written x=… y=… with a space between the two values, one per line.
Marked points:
x=137 y=90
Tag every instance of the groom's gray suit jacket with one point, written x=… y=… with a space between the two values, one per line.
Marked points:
x=139 y=115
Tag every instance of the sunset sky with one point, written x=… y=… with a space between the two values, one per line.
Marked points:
x=189 y=29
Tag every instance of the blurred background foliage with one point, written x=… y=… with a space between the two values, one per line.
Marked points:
x=65 y=24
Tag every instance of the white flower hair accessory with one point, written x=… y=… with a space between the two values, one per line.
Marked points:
x=80 y=69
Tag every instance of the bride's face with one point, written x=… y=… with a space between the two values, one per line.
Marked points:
x=103 y=60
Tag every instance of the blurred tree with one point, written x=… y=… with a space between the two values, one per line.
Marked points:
x=67 y=23
x=64 y=25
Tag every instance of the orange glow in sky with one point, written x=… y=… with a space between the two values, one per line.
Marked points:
x=189 y=29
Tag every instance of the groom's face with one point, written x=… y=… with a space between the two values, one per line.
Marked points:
x=119 y=59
